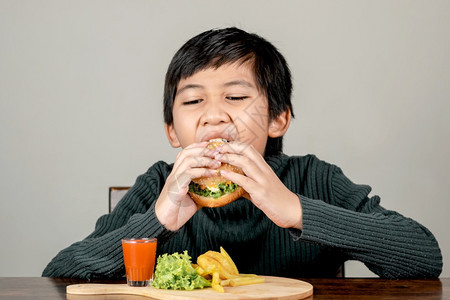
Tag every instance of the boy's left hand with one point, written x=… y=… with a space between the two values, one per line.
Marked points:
x=262 y=185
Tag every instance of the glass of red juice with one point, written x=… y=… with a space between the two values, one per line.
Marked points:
x=139 y=257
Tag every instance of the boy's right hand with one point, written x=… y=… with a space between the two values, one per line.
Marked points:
x=174 y=206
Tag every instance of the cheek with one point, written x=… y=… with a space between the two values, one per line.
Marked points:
x=255 y=118
x=181 y=118
x=253 y=124
x=253 y=131
x=185 y=128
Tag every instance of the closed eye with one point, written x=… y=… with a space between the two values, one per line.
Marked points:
x=237 y=98
x=192 y=102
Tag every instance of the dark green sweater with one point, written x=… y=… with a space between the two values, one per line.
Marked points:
x=340 y=222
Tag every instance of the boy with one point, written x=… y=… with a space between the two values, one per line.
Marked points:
x=301 y=217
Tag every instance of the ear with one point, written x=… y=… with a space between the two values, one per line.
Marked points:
x=172 y=135
x=279 y=125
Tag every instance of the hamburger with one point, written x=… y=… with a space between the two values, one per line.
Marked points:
x=216 y=191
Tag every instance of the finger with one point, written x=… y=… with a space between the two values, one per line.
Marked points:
x=179 y=183
x=251 y=168
x=201 y=157
x=201 y=148
x=242 y=149
x=236 y=147
x=195 y=151
x=197 y=145
x=198 y=162
x=245 y=182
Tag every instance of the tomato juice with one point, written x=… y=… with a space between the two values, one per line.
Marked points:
x=139 y=258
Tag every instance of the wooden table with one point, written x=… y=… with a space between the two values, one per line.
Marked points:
x=342 y=288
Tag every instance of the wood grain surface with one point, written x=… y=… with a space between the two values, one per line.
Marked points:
x=272 y=288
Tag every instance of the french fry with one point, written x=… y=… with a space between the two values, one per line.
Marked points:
x=210 y=265
x=245 y=280
x=248 y=275
x=222 y=260
x=200 y=271
x=222 y=271
x=230 y=261
x=218 y=287
x=225 y=282
x=207 y=264
x=215 y=283
x=215 y=278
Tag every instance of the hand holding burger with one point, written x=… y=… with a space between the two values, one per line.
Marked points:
x=216 y=191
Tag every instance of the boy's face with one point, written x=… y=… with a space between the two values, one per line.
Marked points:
x=221 y=103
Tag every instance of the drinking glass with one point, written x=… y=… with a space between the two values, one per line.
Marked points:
x=139 y=257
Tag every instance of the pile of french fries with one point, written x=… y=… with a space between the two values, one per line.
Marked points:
x=222 y=271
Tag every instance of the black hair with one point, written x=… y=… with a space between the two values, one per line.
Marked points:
x=214 y=48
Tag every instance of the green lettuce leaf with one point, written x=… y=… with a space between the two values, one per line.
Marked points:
x=224 y=188
x=174 y=271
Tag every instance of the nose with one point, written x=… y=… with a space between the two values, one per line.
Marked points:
x=214 y=114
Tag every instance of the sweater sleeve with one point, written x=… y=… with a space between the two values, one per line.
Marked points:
x=389 y=244
x=100 y=254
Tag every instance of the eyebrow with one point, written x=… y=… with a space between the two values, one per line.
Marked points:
x=243 y=83
x=189 y=86
x=239 y=82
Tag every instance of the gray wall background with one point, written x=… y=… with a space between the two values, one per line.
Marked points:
x=81 y=87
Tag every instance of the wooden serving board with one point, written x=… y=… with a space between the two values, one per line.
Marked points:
x=272 y=288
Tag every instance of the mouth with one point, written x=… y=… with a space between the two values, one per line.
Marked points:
x=218 y=139
x=213 y=136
